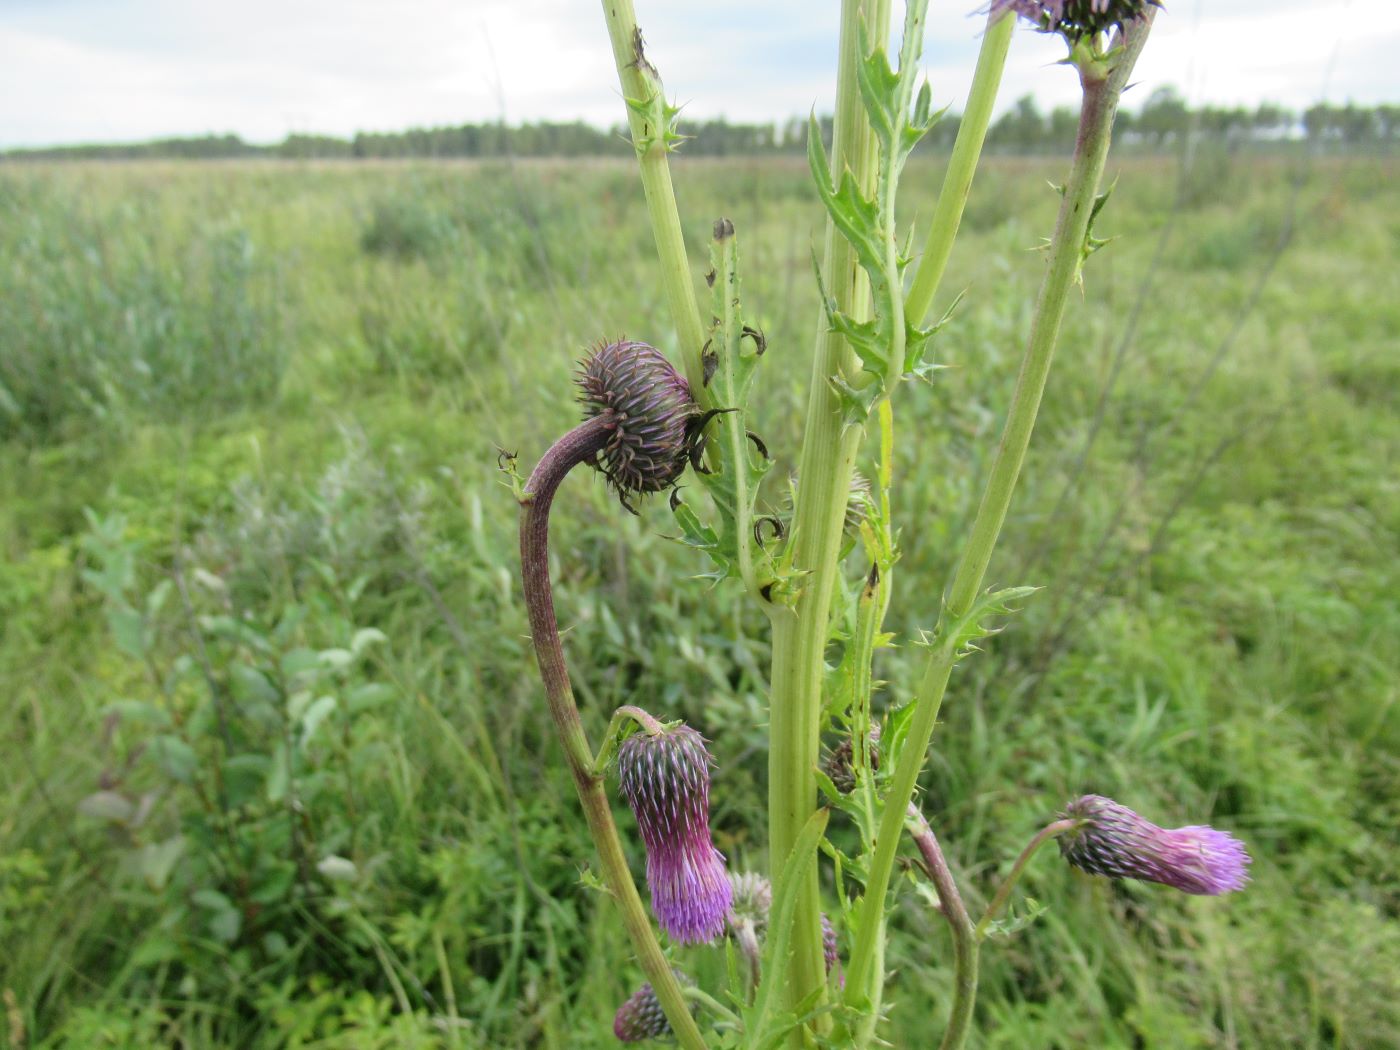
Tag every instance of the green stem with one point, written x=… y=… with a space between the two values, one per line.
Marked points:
x=965 y=941
x=827 y=459
x=650 y=725
x=575 y=447
x=649 y=122
x=962 y=165
x=1099 y=105
x=1003 y=893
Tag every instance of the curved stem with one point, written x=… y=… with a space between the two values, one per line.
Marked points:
x=965 y=940
x=578 y=445
x=1003 y=893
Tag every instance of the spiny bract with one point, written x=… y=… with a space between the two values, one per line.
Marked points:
x=651 y=409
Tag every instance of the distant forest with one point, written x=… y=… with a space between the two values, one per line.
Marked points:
x=1162 y=123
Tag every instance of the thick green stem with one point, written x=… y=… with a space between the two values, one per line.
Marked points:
x=827 y=459
x=650 y=124
x=965 y=940
x=962 y=165
x=580 y=444
x=1066 y=253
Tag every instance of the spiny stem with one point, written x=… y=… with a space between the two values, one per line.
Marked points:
x=641 y=83
x=962 y=165
x=1099 y=105
x=964 y=936
x=578 y=445
x=827 y=459
x=1003 y=893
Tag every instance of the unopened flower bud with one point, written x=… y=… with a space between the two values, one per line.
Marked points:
x=1116 y=842
x=839 y=765
x=665 y=777
x=650 y=405
x=829 y=946
x=641 y=1016
x=751 y=895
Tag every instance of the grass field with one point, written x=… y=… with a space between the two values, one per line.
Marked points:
x=277 y=765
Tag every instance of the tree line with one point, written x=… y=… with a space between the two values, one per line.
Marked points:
x=1162 y=123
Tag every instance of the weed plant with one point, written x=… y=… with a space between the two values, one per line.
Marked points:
x=1215 y=636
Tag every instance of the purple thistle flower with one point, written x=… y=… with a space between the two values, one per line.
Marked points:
x=1116 y=842
x=665 y=778
x=641 y=1016
x=651 y=411
x=1074 y=19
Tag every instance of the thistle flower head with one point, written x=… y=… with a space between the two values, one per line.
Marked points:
x=1075 y=20
x=665 y=779
x=839 y=763
x=641 y=1016
x=651 y=408
x=1115 y=841
x=830 y=950
x=751 y=896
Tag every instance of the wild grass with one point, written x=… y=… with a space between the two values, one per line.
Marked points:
x=251 y=412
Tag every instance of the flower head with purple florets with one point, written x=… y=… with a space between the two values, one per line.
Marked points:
x=1075 y=19
x=665 y=775
x=1114 y=841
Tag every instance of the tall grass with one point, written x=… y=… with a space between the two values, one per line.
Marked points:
x=273 y=386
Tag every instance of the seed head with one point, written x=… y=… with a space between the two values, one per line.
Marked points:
x=665 y=779
x=641 y=1016
x=1116 y=842
x=650 y=405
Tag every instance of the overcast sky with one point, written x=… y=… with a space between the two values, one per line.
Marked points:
x=120 y=70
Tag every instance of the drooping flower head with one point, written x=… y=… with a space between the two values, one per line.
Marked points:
x=650 y=405
x=665 y=775
x=1115 y=841
x=641 y=1016
x=1075 y=20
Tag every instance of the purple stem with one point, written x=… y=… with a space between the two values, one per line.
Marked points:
x=577 y=446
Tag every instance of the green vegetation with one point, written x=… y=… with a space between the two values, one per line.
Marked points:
x=279 y=771
x=1162 y=120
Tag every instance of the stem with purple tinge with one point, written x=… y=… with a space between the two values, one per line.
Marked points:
x=965 y=940
x=575 y=447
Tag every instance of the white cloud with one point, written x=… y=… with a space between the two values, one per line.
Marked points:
x=88 y=70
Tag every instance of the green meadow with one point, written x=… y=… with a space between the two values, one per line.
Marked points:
x=277 y=766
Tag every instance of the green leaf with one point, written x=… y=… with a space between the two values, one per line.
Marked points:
x=128 y=629
x=108 y=806
x=317 y=713
x=245 y=776
x=274 y=883
x=175 y=758
x=156 y=860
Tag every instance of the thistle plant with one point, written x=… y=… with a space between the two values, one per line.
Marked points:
x=822 y=572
